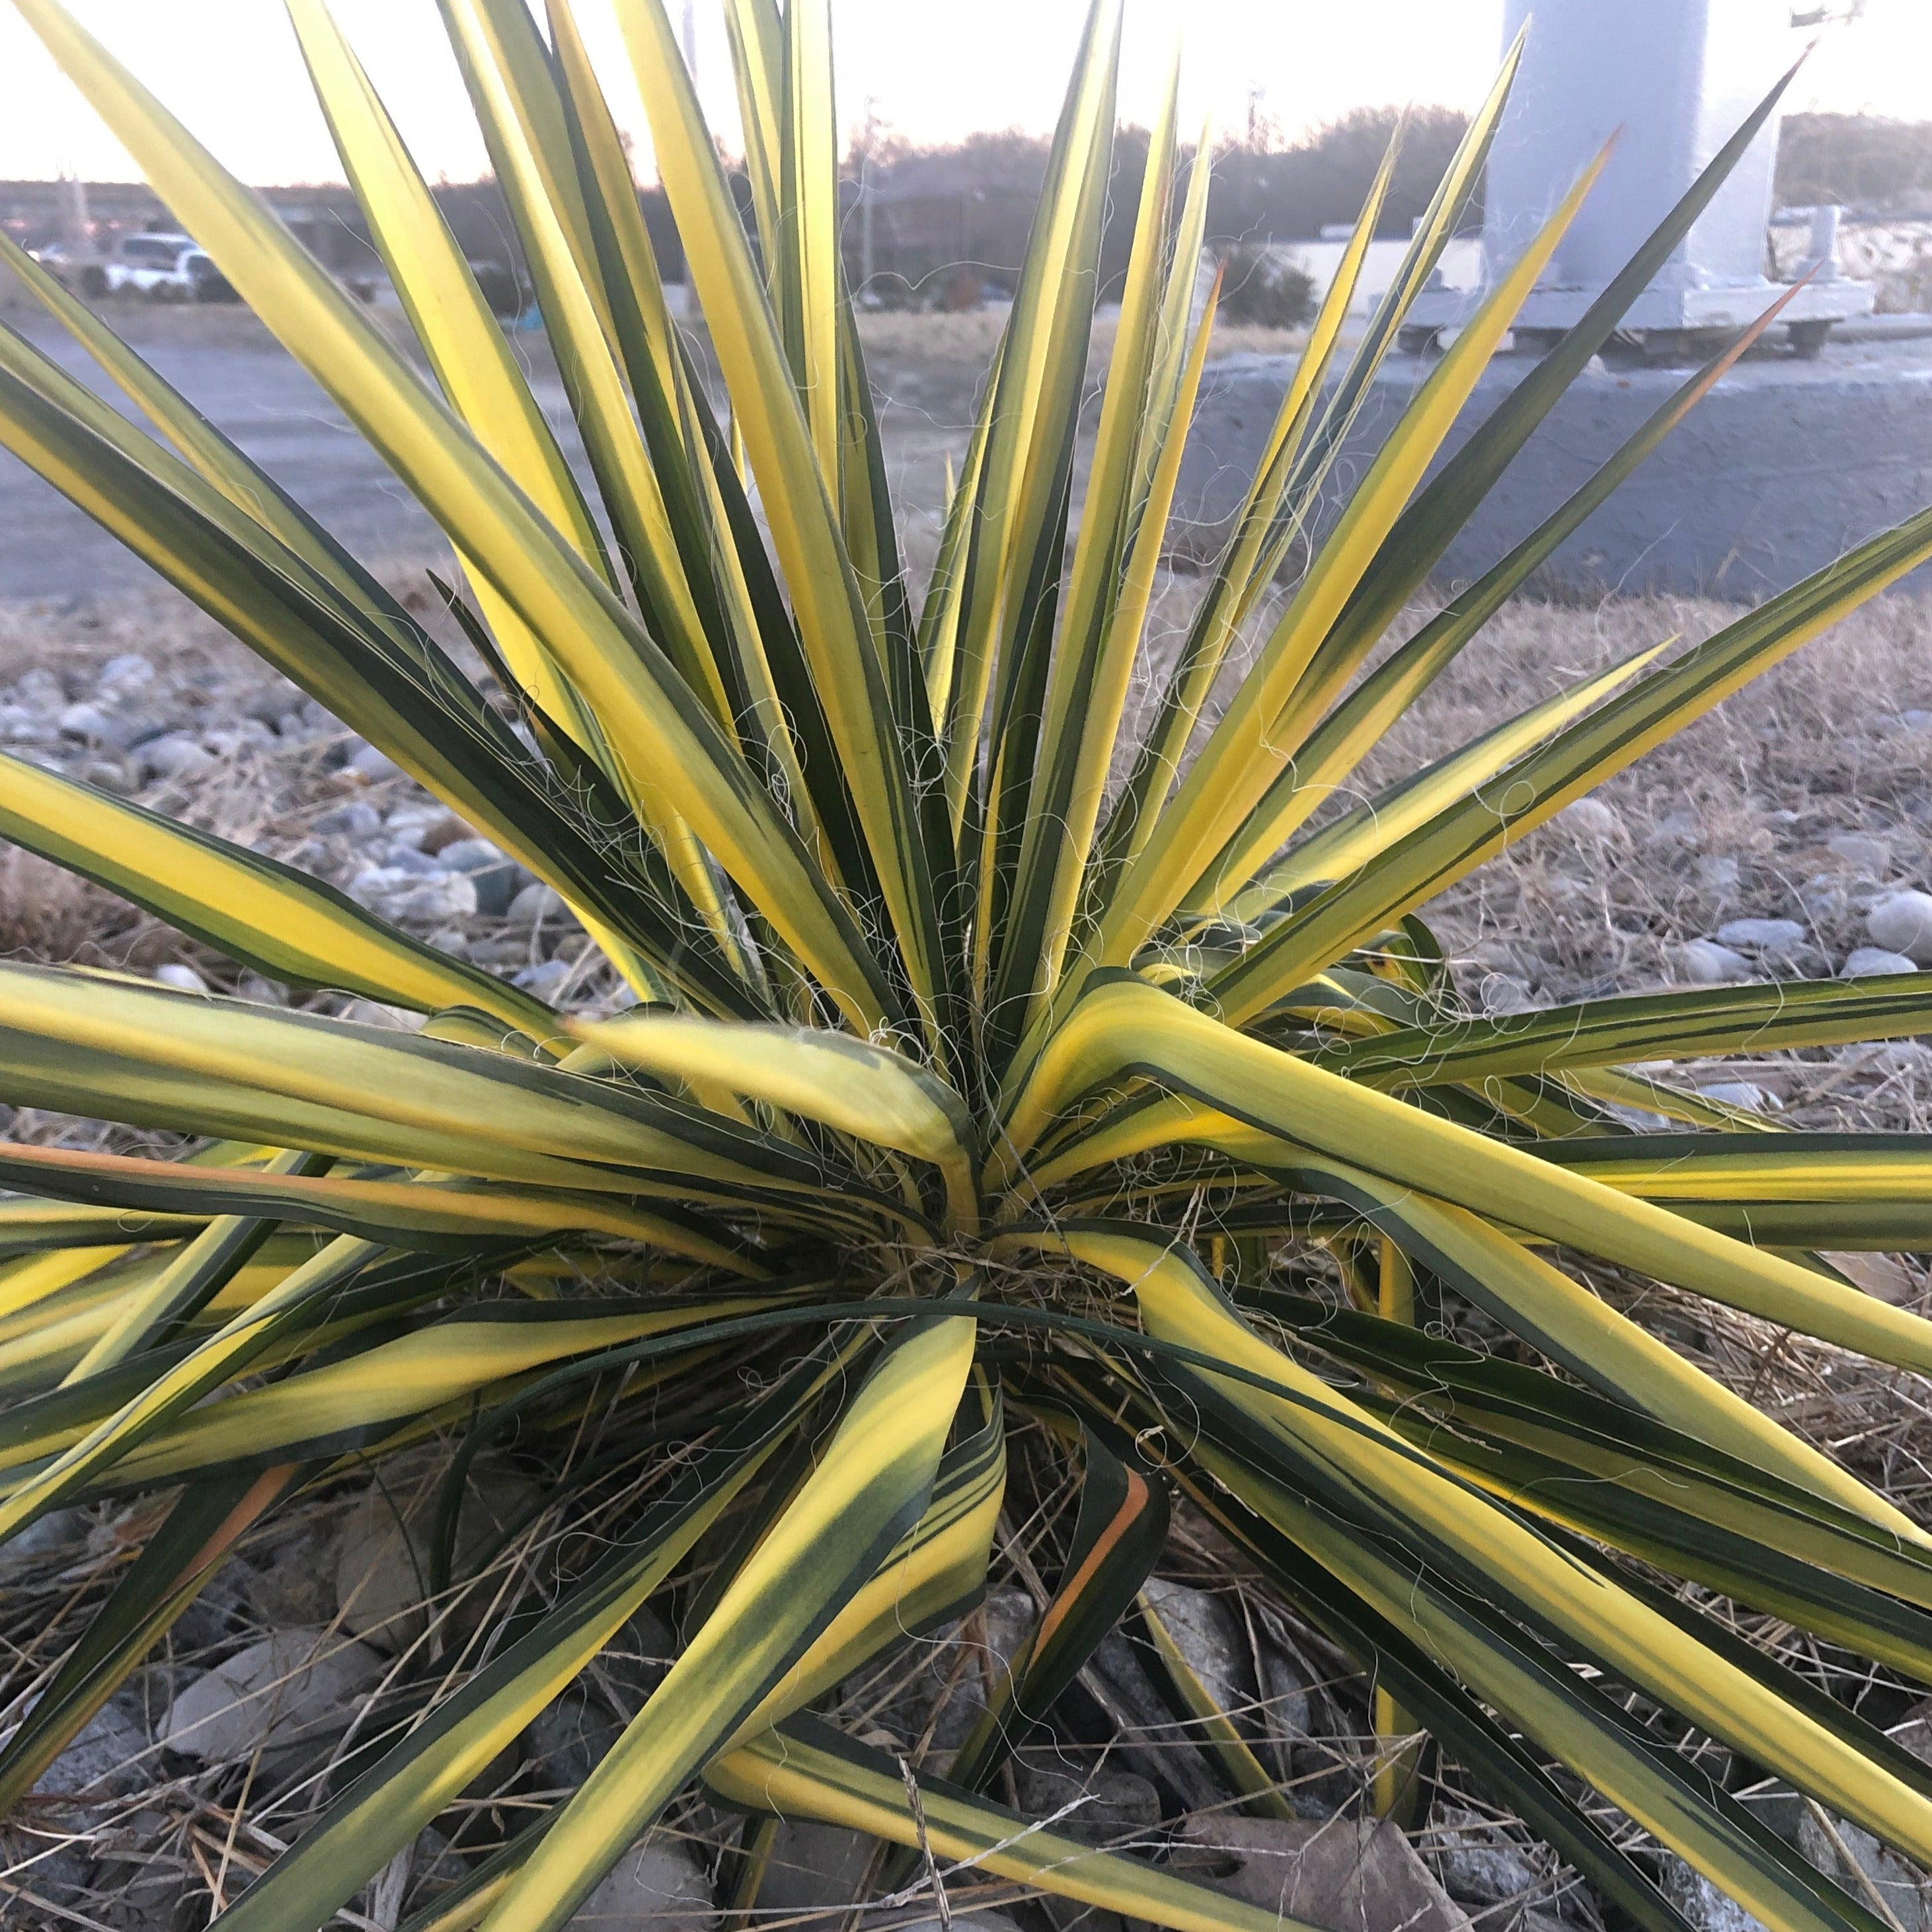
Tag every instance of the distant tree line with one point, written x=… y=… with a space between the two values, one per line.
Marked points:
x=935 y=208
x=1293 y=192
x=942 y=224
x=1865 y=161
x=943 y=218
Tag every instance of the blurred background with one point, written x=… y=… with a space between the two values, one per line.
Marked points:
x=947 y=111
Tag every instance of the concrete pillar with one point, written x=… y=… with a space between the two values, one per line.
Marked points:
x=1823 y=253
x=1676 y=77
x=1671 y=80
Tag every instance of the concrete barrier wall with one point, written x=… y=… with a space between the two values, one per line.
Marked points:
x=1783 y=466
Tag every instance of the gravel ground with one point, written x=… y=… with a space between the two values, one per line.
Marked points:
x=1805 y=799
x=142 y=697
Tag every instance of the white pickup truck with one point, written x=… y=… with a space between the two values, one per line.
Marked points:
x=165 y=268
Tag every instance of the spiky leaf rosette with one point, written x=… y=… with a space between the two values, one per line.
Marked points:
x=988 y=1072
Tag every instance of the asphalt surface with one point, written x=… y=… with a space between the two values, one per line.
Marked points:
x=239 y=377
x=260 y=398
x=1784 y=466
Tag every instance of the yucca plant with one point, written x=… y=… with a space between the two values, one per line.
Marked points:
x=987 y=1071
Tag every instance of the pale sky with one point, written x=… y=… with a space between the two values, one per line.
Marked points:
x=935 y=69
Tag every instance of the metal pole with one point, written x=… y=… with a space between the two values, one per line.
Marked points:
x=869 y=135
x=865 y=263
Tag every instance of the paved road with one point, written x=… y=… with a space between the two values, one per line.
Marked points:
x=260 y=398
x=241 y=379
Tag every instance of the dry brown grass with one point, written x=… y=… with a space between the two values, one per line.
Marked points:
x=46 y=912
x=149 y=324
x=1799 y=754
x=1728 y=819
x=1812 y=748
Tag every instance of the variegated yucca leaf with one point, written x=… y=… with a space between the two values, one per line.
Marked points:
x=1030 y=1125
